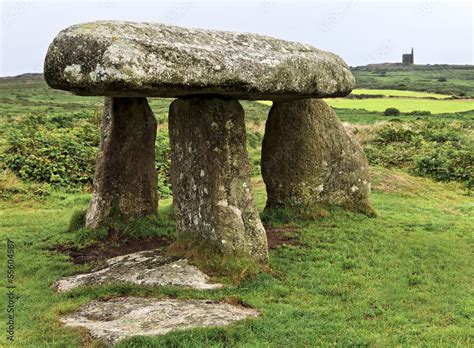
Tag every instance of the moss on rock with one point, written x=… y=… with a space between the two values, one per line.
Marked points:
x=310 y=162
x=125 y=179
x=210 y=176
x=116 y=58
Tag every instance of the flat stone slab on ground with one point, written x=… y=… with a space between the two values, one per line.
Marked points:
x=117 y=58
x=124 y=317
x=144 y=268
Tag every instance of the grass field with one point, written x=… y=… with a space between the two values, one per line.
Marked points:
x=398 y=93
x=445 y=79
x=438 y=106
x=401 y=279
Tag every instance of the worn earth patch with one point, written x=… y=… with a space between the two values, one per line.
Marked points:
x=281 y=235
x=115 y=244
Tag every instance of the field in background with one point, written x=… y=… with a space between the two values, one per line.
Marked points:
x=398 y=93
x=405 y=101
x=455 y=80
x=438 y=89
x=435 y=106
x=403 y=278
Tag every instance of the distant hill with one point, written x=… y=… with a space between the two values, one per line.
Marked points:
x=29 y=76
x=401 y=66
x=31 y=80
x=456 y=80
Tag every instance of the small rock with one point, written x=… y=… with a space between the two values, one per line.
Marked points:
x=144 y=268
x=123 y=317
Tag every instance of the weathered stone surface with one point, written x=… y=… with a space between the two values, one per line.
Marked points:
x=308 y=159
x=210 y=176
x=116 y=58
x=123 y=317
x=125 y=179
x=145 y=268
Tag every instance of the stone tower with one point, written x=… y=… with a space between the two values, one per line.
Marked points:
x=408 y=58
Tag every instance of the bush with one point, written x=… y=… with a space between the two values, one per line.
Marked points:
x=393 y=134
x=58 y=156
x=447 y=163
x=163 y=162
x=254 y=139
x=443 y=151
x=364 y=96
x=419 y=113
x=442 y=79
x=60 y=150
x=391 y=112
x=77 y=221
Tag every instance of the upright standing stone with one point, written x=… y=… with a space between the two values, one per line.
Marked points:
x=125 y=180
x=210 y=175
x=309 y=161
x=211 y=183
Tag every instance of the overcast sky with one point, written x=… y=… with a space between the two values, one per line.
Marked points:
x=359 y=31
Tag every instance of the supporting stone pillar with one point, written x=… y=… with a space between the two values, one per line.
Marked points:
x=309 y=161
x=125 y=180
x=210 y=174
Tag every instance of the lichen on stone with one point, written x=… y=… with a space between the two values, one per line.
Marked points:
x=310 y=162
x=149 y=268
x=118 y=318
x=213 y=182
x=119 y=58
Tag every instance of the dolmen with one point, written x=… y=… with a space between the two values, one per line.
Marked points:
x=308 y=159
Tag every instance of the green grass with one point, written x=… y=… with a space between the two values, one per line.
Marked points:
x=403 y=278
x=425 y=78
x=438 y=106
x=404 y=104
x=398 y=93
x=364 y=117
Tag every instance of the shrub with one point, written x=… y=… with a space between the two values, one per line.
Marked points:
x=77 y=221
x=60 y=150
x=391 y=112
x=364 y=96
x=442 y=79
x=419 y=113
x=393 y=134
x=254 y=139
x=58 y=156
x=446 y=163
x=163 y=162
x=437 y=149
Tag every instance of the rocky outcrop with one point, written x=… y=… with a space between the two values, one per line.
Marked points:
x=149 y=268
x=118 y=318
x=115 y=58
x=125 y=179
x=309 y=161
x=210 y=174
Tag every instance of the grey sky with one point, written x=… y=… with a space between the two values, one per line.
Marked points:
x=361 y=32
